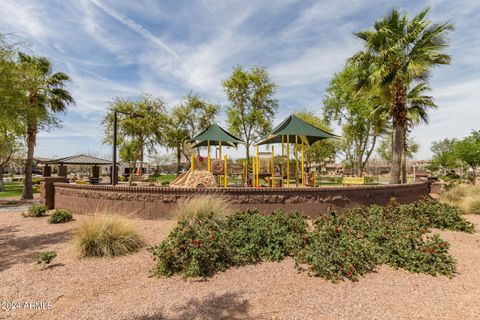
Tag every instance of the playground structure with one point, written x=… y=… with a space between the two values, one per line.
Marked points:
x=265 y=168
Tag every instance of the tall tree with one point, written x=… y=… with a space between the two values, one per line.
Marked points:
x=397 y=52
x=192 y=115
x=140 y=123
x=10 y=145
x=444 y=155
x=252 y=104
x=384 y=148
x=355 y=112
x=46 y=97
x=468 y=151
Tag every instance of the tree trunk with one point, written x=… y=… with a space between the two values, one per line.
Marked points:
x=2 y=186
x=399 y=120
x=31 y=141
x=247 y=153
x=404 y=157
x=179 y=160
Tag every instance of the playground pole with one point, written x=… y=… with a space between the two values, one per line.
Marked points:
x=303 y=165
x=192 y=165
x=220 y=155
x=283 y=159
x=288 y=161
x=225 y=171
x=296 y=161
x=208 y=158
x=258 y=168
x=273 y=167
x=254 y=179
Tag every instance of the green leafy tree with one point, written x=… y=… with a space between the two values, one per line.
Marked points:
x=10 y=146
x=321 y=151
x=356 y=113
x=185 y=120
x=468 y=151
x=252 y=104
x=444 y=156
x=397 y=53
x=46 y=96
x=384 y=149
x=140 y=123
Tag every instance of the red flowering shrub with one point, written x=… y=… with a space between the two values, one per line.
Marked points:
x=195 y=249
x=253 y=236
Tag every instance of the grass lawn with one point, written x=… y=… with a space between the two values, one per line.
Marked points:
x=14 y=189
x=165 y=178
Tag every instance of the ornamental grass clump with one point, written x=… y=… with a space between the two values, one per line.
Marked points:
x=466 y=197
x=106 y=234
x=199 y=208
x=60 y=216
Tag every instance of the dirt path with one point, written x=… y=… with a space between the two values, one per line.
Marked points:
x=121 y=289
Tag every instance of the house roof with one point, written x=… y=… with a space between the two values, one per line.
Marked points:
x=79 y=159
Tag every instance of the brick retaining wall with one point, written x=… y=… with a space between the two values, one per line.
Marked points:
x=158 y=202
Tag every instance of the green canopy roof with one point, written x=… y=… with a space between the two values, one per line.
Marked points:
x=294 y=126
x=215 y=134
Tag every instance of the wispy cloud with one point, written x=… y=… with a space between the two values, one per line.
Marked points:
x=132 y=25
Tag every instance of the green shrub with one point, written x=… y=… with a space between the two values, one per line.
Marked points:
x=60 y=216
x=36 y=210
x=207 y=240
x=254 y=237
x=36 y=181
x=433 y=214
x=107 y=235
x=334 y=251
x=46 y=257
x=193 y=249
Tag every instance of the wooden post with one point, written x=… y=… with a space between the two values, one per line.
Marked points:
x=225 y=171
x=192 y=162
x=220 y=151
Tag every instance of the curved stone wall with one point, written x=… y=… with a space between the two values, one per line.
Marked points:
x=158 y=202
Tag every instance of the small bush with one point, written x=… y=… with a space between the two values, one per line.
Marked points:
x=254 y=237
x=199 y=208
x=193 y=249
x=107 y=235
x=36 y=210
x=36 y=181
x=60 y=216
x=46 y=257
x=433 y=214
x=334 y=251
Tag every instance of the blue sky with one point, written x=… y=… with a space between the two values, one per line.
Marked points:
x=169 y=48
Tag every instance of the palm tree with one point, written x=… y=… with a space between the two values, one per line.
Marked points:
x=397 y=53
x=46 y=97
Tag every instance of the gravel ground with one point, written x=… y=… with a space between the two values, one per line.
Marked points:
x=120 y=288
